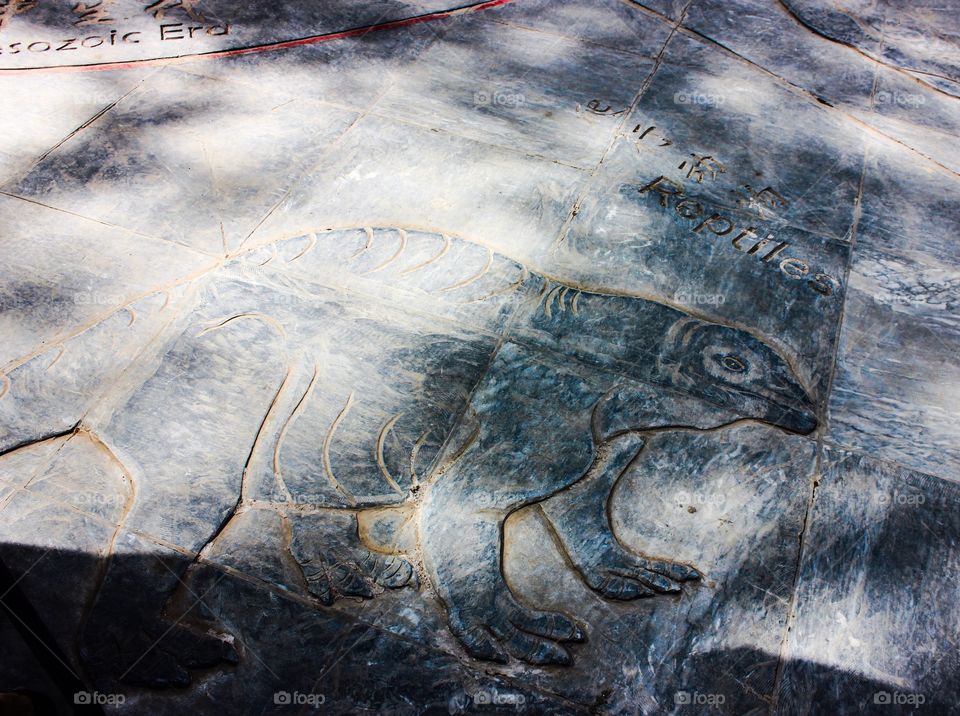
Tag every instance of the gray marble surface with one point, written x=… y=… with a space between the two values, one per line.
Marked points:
x=594 y=357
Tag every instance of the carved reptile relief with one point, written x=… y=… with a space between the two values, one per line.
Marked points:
x=404 y=392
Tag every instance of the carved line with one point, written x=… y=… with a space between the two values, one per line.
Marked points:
x=574 y=303
x=440 y=255
x=797 y=89
x=467 y=444
x=366 y=247
x=403 y=246
x=54 y=361
x=595 y=413
x=273 y=255
x=524 y=275
x=110 y=553
x=258 y=316
x=381 y=439
x=201 y=554
x=414 y=454
x=682 y=331
x=256 y=440
x=286 y=426
x=901 y=69
x=310 y=247
x=548 y=302
x=59 y=435
x=471 y=279
x=96 y=321
x=326 y=451
x=550 y=281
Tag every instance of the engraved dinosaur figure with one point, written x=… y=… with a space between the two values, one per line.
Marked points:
x=404 y=392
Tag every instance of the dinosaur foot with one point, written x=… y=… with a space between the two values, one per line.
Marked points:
x=364 y=578
x=616 y=573
x=336 y=565
x=511 y=629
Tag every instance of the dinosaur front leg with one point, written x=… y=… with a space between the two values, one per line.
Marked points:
x=581 y=520
x=532 y=439
x=462 y=545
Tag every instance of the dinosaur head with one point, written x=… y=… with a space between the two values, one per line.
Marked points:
x=733 y=369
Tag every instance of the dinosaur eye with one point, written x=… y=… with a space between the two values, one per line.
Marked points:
x=733 y=363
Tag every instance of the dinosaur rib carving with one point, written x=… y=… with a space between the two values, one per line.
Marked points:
x=437 y=257
x=524 y=275
x=414 y=454
x=400 y=250
x=326 y=452
x=365 y=247
x=471 y=279
x=548 y=302
x=273 y=322
x=54 y=361
x=278 y=478
x=381 y=439
x=307 y=250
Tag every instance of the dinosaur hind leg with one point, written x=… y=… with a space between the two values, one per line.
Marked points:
x=581 y=521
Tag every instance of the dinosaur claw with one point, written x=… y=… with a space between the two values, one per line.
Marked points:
x=621 y=575
x=527 y=634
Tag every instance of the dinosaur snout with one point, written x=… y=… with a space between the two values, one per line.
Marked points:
x=790 y=407
x=794 y=413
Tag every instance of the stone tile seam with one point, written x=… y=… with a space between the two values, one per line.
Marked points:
x=77 y=131
x=115 y=227
x=796 y=89
x=644 y=86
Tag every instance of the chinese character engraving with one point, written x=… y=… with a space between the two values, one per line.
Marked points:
x=702 y=166
x=11 y=8
x=160 y=8
x=92 y=13
x=651 y=131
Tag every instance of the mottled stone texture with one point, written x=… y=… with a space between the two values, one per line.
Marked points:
x=590 y=357
x=876 y=616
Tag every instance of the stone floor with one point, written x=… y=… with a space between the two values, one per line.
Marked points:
x=397 y=357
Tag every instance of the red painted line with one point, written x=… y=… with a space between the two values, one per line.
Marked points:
x=269 y=47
